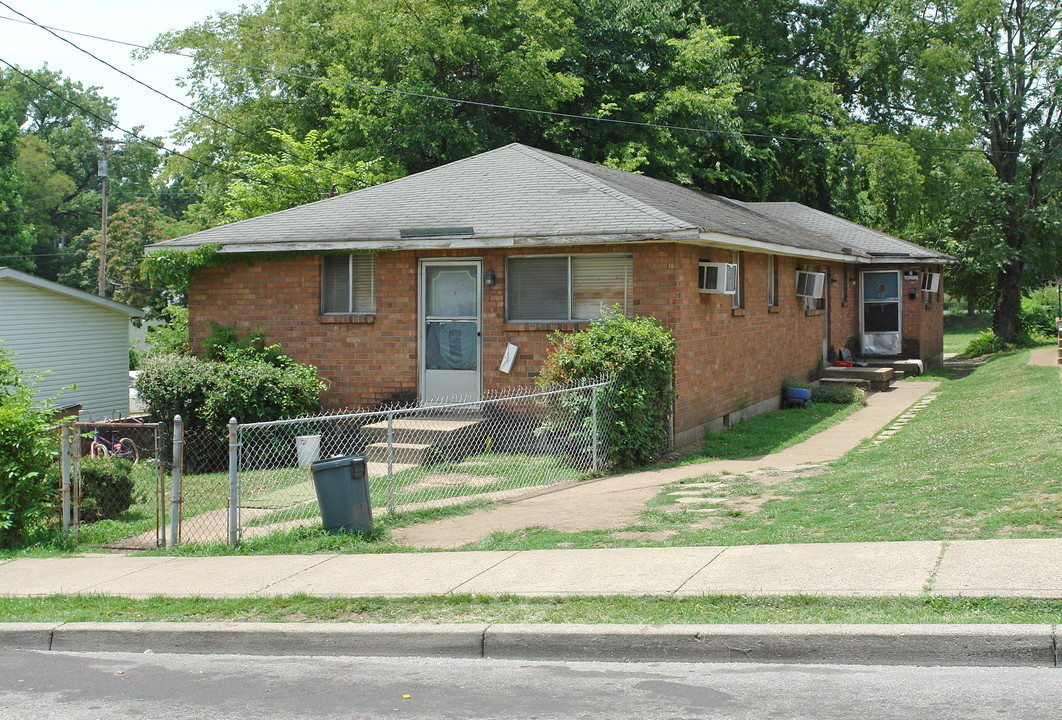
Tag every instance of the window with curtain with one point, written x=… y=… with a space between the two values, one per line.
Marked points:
x=348 y=284
x=567 y=288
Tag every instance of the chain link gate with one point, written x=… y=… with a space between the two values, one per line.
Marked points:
x=113 y=469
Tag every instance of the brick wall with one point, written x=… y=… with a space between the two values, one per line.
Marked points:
x=727 y=359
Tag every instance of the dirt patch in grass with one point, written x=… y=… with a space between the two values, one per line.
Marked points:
x=434 y=482
x=736 y=495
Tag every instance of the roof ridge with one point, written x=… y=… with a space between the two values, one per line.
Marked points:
x=553 y=161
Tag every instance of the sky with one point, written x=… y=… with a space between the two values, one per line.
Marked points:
x=130 y=21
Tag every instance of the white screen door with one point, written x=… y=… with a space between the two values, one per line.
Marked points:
x=450 y=342
x=881 y=312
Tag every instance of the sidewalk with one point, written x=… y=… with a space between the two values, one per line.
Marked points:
x=1010 y=568
x=1019 y=568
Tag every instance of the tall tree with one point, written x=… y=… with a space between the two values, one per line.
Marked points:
x=992 y=67
x=61 y=122
x=130 y=229
x=15 y=238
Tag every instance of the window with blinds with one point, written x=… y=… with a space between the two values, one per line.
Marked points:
x=348 y=284
x=567 y=288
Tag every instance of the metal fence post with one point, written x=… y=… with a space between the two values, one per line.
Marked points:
x=178 y=469
x=65 y=463
x=390 y=461
x=234 y=483
x=593 y=413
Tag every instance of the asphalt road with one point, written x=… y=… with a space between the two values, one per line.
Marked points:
x=54 y=685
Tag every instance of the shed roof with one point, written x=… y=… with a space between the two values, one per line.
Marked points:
x=9 y=275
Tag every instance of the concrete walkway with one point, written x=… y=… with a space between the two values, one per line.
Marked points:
x=616 y=500
x=1020 y=568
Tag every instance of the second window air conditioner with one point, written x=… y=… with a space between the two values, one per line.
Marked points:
x=930 y=282
x=810 y=284
x=716 y=277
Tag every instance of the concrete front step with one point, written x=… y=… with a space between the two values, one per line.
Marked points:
x=910 y=368
x=879 y=377
x=420 y=440
x=433 y=431
x=405 y=453
x=853 y=382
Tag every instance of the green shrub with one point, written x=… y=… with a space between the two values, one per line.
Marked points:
x=171 y=337
x=107 y=488
x=27 y=450
x=1036 y=316
x=985 y=344
x=639 y=354
x=207 y=393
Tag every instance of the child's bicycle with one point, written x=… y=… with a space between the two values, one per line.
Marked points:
x=114 y=446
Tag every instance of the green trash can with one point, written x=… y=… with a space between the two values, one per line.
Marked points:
x=343 y=493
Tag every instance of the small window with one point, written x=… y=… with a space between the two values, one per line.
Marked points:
x=567 y=288
x=772 y=282
x=348 y=284
x=736 y=300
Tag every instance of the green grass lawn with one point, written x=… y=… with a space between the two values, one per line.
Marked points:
x=771 y=432
x=984 y=460
x=959 y=330
x=508 y=609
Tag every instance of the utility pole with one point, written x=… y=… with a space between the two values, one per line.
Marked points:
x=105 y=155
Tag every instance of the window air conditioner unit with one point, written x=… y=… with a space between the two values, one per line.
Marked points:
x=930 y=282
x=717 y=278
x=810 y=284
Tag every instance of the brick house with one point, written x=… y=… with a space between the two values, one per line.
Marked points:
x=417 y=288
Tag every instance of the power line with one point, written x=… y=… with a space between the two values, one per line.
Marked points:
x=500 y=106
x=203 y=115
x=158 y=146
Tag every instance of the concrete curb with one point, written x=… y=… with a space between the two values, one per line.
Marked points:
x=945 y=645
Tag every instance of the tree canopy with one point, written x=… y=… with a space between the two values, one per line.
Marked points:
x=934 y=122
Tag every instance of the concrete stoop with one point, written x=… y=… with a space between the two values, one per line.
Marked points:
x=875 y=378
x=419 y=440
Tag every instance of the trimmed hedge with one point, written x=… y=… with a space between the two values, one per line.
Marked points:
x=107 y=488
x=206 y=393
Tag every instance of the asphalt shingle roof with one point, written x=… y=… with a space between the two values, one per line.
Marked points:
x=845 y=233
x=515 y=195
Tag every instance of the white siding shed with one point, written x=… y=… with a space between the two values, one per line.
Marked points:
x=77 y=339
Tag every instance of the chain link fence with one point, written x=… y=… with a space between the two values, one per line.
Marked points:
x=205 y=486
x=113 y=471
x=425 y=457
x=200 y=495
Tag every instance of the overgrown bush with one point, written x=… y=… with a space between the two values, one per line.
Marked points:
x=639 y=354
x=984 y=344
x=206 y=393
x=1036 y=317
x=839 y=394
x=27 y=449
x=107 y=488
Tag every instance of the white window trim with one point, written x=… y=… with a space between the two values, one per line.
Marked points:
x=735 y=299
